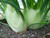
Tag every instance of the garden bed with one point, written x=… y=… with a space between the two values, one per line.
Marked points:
x=7 y=32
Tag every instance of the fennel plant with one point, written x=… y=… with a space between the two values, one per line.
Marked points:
x=34 y=15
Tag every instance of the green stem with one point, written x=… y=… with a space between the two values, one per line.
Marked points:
x=43 y=5
x=4 y=23
x=3 y=15
x=24 y=4
x=39 y=23
x=15 y=2
x=2 y=8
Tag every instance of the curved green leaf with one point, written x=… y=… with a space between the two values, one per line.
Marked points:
x=2 y=9
x=45 y=3
x=17 y=10
x=15 y=2
x=24 y=4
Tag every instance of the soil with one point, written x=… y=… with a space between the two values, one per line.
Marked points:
x=7 y=32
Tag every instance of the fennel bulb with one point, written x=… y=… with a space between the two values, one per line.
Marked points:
x=14 y=20
x=34 y=16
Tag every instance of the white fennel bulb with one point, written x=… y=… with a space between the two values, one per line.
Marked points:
x=14 y=20
x=34 y=16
